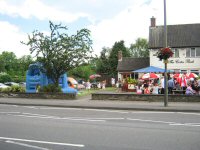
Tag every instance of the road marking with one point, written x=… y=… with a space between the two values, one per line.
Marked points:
x=26 y=145
x=186 y=124
x=188 y=113
x=152 y=112
x=32 y=107
x=111 y=111
x=9 y=112
x=60 y=118
x=42 y=142
x=154 y=121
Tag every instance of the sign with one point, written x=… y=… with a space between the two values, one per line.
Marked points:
x=187 y=61
x=131 y=86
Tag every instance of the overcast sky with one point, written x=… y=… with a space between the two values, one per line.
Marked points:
x=108 y=20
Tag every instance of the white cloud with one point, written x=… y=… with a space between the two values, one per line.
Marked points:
x=134 y=21
x=35 y=8
x=128 y=25
x=10 y=39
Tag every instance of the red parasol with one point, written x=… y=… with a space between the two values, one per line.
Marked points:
x=150 y=76
x=93 y=76
x=191 y=75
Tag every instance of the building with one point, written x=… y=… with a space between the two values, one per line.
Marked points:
x=128 y=64
x=184 y=39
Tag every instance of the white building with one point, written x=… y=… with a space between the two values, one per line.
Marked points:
x=184 y=40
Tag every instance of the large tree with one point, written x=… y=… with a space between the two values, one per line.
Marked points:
x=102 y=63
x=113 y=57
x=59 y=51
x=140 y=48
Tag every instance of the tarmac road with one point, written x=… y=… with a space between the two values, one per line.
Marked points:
x=41 y=127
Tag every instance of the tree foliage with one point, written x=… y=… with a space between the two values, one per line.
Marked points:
x=113 y=57
x=59 y=51
x=140 y=48
x=102 y=64
x=82 y=72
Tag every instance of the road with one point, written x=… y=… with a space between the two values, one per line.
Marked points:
x=51 y=128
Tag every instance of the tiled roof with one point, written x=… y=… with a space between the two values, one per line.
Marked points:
x=130 y=64
x=185 y=35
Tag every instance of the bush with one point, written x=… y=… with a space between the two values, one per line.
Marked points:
x=13 y=88
x=5 y=89
x=4 y=77
x=51 y=88
x=16 y=88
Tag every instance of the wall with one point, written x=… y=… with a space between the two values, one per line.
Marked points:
x=181 y=63
x=69 y=96
x=146 y=97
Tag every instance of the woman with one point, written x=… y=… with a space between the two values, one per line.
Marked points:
x=155 y=88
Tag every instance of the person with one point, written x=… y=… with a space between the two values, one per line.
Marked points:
x=155 y=88
x=88 y=85
x=103 y=85
x=189 y=90
x=38 y=88
x=146 y=90
x=194 y=86
x=119 y=85
x=113 y=82
x=171 y=85
x=162 y=83
x=183 y=83
x=139 y=89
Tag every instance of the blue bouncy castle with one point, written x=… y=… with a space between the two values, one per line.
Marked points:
x=34 y=78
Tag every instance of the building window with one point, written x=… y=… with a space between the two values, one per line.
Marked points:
x=193 y=52
x=176 y=53
x=198 y=52
x=183 y=71
x=195 y=71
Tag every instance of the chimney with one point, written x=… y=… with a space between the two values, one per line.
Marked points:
x=119 y=55
x=153 y=22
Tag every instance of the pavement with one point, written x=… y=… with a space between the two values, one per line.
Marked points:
x=87 y=103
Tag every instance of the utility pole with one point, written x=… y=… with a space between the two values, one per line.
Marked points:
x=165 y=62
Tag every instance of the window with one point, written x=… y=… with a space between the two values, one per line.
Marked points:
x=198 y=52
x=193 y=52
x=176 y=53
x=195 y=71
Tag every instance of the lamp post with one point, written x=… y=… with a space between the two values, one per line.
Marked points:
x=165 y=61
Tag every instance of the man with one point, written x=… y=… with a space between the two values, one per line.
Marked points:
x=171 y=85
x=162 y=82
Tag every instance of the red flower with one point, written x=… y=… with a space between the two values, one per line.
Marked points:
x=164 y=53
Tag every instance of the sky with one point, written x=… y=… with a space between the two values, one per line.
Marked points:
x=108 y=20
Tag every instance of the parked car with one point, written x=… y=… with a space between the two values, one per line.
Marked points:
x=23 y=84
x=3 y=86
x=11 y=83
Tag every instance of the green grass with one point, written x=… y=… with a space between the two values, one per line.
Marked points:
x=88 y=92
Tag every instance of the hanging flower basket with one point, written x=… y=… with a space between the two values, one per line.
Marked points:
x=164 y=53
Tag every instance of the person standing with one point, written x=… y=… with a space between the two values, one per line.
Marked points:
x=162 y=83
x=113 y=82
x=171 y=85
x=183 y=83
x=119 y=85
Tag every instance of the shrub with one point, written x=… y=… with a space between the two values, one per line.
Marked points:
x=4 y=77
x=51 y=88
x=16 y=88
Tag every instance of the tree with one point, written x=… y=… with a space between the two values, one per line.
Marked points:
x=8 y=62
x=59 y=51
x=113 y=57
x=82 y=72
x=24 y=63
x=140 y=48
x=102 y=63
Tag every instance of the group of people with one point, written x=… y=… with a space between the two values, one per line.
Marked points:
x=182 y=85
x=98 y=85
